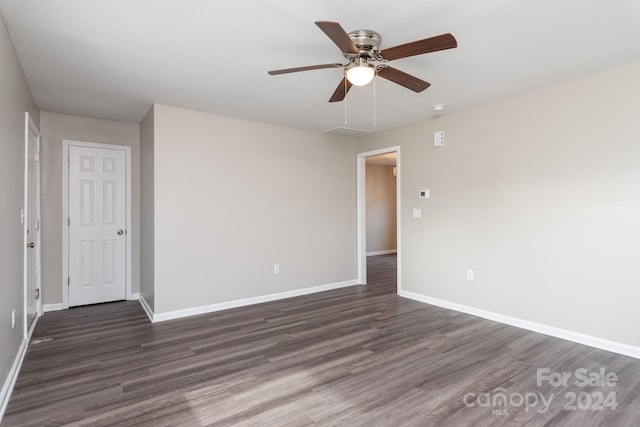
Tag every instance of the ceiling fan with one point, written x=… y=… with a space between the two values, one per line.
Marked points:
x=362 y=49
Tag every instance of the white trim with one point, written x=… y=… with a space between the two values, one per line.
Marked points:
x=10 y=382
x=361 y=218
x=160 y=317
x=386 y=252
x=35 y=322
x=58 y=306
x=25 y=226
x=52 y=307
x=601 y=343
x=29 y=124
x=66 y=143
x=146 y=308
x=7 y=387
x=361 y=212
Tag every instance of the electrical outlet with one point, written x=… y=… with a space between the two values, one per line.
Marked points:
x=469 y=274
x=276 y=268
x=13 y=319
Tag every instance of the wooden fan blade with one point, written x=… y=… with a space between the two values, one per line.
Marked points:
x=310 y=67
x=432 y=44
x=341 y=91
x=338 y=35
x=403 y=79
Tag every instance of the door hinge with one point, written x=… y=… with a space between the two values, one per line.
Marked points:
x=69 y=222
x=68 y=281
x=37 y=294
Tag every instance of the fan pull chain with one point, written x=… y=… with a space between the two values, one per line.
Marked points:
x=345 y=100
x=374 y=99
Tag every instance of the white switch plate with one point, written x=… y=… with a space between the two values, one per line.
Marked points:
x=469 y=274
x=438 y=138
x=417 y=213
x=424 y=194
x=276 y=268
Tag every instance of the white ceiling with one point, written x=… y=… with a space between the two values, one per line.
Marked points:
x=113 y=59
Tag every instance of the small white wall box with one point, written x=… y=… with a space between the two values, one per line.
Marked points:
x=438 y=138
x=424 y=194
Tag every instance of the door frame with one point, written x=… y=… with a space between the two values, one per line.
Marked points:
x=29 y=124
x=66 y=144
x=361 y=203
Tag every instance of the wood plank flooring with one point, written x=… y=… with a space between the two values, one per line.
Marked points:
x=349 y=357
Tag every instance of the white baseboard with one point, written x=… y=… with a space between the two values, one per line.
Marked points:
x=58 y=306
x=615 y=347
x=7 y=387
x=145 y=307
x=388 y=251
x=51 y=307
x=159 y=317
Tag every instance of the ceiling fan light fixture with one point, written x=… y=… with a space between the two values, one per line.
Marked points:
x=361 y=46
x=360 y=73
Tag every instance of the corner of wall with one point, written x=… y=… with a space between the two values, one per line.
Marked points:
x=147 y=212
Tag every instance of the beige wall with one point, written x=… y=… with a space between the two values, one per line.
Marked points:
x=54 y=128
x=147 y=229
x=15 y=100
x=538 y=193
x=381 y=208
x=233 y=197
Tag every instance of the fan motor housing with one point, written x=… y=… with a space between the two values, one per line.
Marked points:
x=367 y=42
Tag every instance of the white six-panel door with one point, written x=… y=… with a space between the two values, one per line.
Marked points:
x=97 y=225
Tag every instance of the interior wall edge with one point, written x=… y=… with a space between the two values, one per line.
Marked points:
x=193 y=311
x=147 y=309
x=577 y=337
x=385 y=252
x=52 y=307
x=7 y=388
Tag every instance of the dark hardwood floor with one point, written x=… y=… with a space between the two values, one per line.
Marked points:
x=353 y=356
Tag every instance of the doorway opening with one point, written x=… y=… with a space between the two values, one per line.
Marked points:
x=378 y=201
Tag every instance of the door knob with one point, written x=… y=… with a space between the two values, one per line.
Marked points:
x=120 y=232
x=31 y=245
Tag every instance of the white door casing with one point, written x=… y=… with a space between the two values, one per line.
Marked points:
x=361 y=208
x=32 y=226
x=98 y=217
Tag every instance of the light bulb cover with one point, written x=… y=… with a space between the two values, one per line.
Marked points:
x=360 y=73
